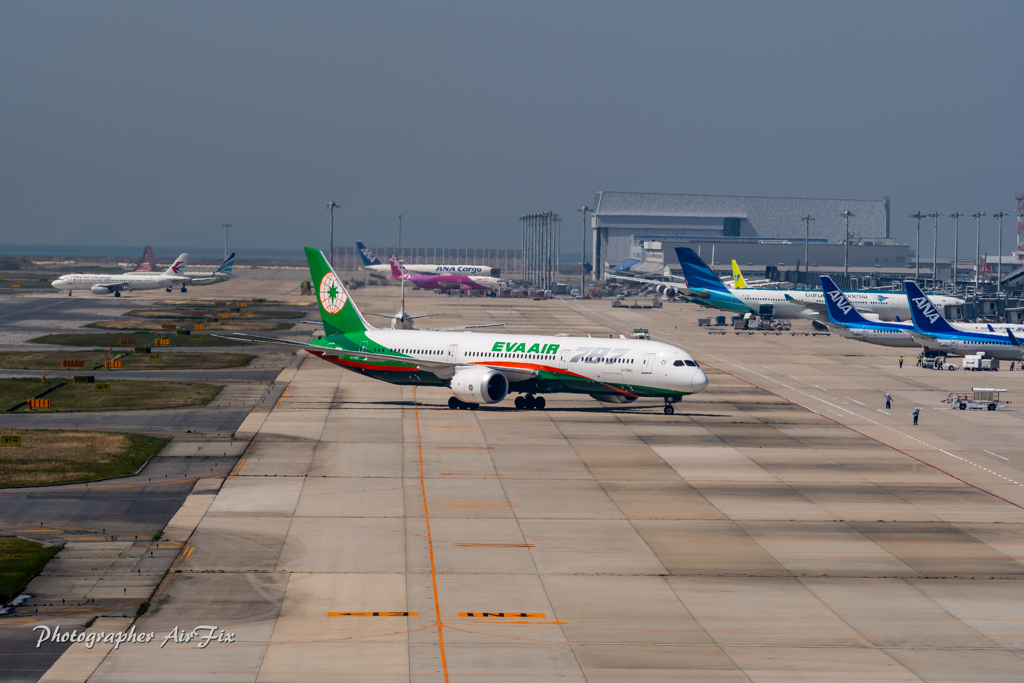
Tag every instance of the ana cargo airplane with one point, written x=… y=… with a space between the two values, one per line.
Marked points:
x=483 y=368
x=373 y=265
x=443 y=282
x=115 y=284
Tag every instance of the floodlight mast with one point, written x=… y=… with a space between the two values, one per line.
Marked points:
x=935 y=247
x=977 y=252
x=999 y=264
x=917 y=253
x=807 y=239
x=956 y=241
x=846 y=266
x=583 y=254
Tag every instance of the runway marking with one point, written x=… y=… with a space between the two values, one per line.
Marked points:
x=373 y=614
x=529 y=615
x=430 y=540
x=996 y=454
x=284 y=395
x=857 y=402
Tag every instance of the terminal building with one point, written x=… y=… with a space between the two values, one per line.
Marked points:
x=756 y=231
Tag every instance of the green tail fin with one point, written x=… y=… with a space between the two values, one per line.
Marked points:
x=337 y=310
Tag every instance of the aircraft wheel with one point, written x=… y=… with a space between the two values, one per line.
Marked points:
x=117 y=293
x=454 y=403
x=530 y=402
x=520 y=403
x=183 y=290
x=669 y=410
x=168 y=289
x=540 y=403
x=473 y=406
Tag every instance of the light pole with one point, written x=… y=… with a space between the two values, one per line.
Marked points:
x=225 y=226
x=935 y=246
x=999 y=266
x=846 y=258
x=332 y=206
x=583 y=257
x=807 y=240
x=977 y=253
x=956 y=242
x=917 y=254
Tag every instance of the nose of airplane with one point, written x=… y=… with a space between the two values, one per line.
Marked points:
x=699 y=381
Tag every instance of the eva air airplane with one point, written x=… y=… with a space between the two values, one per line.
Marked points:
x=485 y=368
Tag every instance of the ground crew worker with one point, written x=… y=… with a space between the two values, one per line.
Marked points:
x=917 y=411
x=901 y=362
x=888 y=401
x=919 y=364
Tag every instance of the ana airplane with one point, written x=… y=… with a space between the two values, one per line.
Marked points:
x=115 y=284
x=223 y=272
x=373 y=265
x=443 y=282
x=933 y=331
x=484 y=368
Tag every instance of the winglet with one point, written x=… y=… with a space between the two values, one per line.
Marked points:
x=737 y=276
x=926 y=317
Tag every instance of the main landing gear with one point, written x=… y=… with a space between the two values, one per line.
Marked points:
x=183 y=290
x=168 y=289
x=669 y=410
x=117 y=293
x=456 y=404
x=530 y=402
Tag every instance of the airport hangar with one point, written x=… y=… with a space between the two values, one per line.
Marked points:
x=756 y=231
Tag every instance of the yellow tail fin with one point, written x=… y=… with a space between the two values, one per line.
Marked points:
x=737 y=276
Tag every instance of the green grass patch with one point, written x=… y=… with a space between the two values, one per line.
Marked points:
x=198 y=315
x=57 y=456
x=142 y=338
x=123 y=395
x=169 y=360
x=15 y=391
x=20 y=561
x=154 y=326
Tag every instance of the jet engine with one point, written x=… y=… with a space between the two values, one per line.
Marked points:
x=667 y=290
x=613 y=398
x=479 y=385
x=100 y=289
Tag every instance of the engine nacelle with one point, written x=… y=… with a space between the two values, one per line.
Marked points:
x=613 y=398
x=479 y=385
x=667 y=290
x=100 y=289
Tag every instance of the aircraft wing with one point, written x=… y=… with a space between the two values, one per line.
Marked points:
x=408 y=317
x=443 y=369
x=683 y=291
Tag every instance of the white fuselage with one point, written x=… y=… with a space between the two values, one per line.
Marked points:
x=126 y=281
x=384 y=269
x=899 y=335
x=887 y=306
x=631 y=365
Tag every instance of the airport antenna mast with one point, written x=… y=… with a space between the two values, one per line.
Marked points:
x=226 y=226
x=956 y=242
x=999 y=264
x=917 y=253
x=935 y=248
x=807 y=240
x=332 y=205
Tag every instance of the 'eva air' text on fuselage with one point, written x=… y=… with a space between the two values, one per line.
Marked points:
x=513 y=347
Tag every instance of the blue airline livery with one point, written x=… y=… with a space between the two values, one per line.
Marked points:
x=933 y=331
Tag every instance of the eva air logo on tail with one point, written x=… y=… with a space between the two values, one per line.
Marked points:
x=926 y=308
x=840 y=301
x=332 y=296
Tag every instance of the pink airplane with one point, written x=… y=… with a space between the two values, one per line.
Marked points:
x=442 y=282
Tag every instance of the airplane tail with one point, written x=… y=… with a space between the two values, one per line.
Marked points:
x=148 y=262
x=840 y=310
x=225 y=268
x=737 y=276
x=366 y=256
x=398 y=268
x=178 y=266
x=337 y=311
x=926 y=317
x=697 y=273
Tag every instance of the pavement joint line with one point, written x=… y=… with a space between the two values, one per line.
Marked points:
x=879 y=424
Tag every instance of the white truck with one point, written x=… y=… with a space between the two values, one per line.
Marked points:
x=979 y=399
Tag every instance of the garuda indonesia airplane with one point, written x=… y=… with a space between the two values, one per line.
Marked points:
x=485 y=368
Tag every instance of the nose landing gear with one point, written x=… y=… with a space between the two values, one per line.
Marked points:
x=669 y=409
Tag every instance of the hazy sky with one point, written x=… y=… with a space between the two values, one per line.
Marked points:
x=156 y=122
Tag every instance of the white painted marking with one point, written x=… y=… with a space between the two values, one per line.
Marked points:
x=857 y=402
x=996 y=454
x=883 y=412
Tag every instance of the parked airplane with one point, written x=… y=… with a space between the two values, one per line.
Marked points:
x=933 y=331
x=849 y=323
x=148 y=262
x=223 y=272
x=443 y=282
x=485 y=368
x=115 y=284
x=382 y=270
x=705 y=288
x=738 y=282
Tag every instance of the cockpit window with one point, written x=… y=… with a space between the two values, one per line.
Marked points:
x=692 y=363
x=678 y=364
